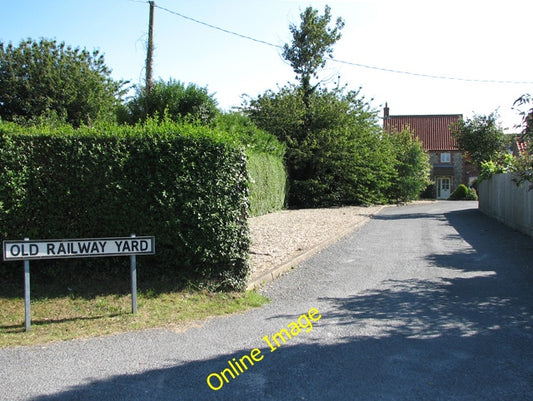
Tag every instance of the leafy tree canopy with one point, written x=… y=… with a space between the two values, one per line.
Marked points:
x=524 y=163
x=172 y=100
x=480 y=137
x=312 y=42
x=412 y=167
x=336 y=151
x=47 y=79
x=340 y=158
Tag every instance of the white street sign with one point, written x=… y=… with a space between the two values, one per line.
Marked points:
x=78 y=248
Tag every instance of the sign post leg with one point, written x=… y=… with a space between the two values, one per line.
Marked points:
x=133 y=260
x=27 y=313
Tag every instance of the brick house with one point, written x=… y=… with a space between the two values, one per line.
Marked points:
x=519 y=145
x=448 y=166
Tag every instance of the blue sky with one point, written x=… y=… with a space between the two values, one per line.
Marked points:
x=466 y=39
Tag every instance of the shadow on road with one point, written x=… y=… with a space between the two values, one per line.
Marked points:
x=404 y=216
x=417 y=340
x=467 y=335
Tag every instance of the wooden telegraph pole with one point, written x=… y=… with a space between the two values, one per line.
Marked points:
x=150 y=50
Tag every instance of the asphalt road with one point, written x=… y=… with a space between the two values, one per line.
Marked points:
x=425 y=302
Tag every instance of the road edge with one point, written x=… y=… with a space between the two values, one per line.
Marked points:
x=275 y=272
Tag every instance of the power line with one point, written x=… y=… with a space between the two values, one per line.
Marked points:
x=218 y=28
x=416 y=74
x=370 y=67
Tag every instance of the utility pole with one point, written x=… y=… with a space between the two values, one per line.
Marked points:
x=150 y=50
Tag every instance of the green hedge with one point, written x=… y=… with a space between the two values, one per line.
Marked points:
x=266 y=168
x=268 y=183
x=186 y=185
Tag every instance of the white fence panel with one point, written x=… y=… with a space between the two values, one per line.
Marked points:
x=501 y=198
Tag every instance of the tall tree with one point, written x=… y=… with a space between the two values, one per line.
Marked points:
x=341 y=159
x=480 y=137
x=524 y=163
x=336 y=153
x=411 y=165
x=46 y=78
x=311 y=43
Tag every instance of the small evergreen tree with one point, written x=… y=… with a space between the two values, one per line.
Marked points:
x=411 y=165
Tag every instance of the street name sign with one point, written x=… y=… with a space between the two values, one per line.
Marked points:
x=78 y=248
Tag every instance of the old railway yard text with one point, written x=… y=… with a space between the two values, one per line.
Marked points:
x=216 y=381
x=46 y=249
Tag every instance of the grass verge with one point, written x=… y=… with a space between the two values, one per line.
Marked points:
x=70 y=317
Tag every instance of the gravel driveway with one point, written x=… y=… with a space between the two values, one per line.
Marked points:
x=424 y=302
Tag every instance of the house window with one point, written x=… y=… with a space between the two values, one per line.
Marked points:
x=445 y=158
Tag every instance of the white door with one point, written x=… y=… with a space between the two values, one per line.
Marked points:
x=443 y=187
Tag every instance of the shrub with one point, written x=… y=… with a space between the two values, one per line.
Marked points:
x=504 y=164
x=268 y=183
x=266 y=169
x=49 y=80
x=186 y=185
x=171 y=100
x=462 y=192
x=334 y=155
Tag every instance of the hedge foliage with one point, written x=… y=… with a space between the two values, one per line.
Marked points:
x=265 y=162
x=268 y=183
x=173 y=100
x=185 y=184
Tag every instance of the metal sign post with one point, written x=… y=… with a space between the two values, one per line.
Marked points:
x=77 y=248
x=27 y=313
x=133 y=269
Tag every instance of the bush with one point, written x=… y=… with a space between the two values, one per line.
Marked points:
x=186 y=185
x=268 y=183
x=49 y=80
x=335 y=155
x=172 y=100
x=462 y=192
x=472 y=194
x=412 y=167
x=266 y=169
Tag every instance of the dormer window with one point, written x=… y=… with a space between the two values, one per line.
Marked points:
x=445 y=158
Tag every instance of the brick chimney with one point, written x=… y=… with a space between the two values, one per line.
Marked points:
x=386 y=111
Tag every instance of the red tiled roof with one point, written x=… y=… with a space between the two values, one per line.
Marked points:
x=522 y=144
x=432 y=130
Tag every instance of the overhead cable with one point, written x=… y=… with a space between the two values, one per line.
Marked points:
x=370 y=67
x=217 y=28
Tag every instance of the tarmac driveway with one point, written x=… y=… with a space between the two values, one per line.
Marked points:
x=425 y=302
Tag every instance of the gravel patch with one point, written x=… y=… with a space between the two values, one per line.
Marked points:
x=281 y=237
